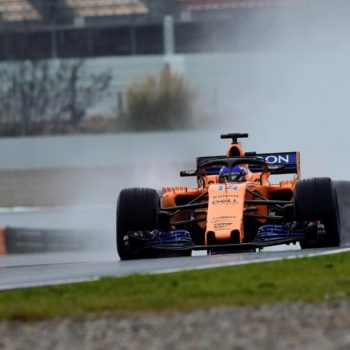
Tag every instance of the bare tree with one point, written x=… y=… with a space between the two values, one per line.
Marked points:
x=50 y=96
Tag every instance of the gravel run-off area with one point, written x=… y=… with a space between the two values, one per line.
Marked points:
x=279 y=326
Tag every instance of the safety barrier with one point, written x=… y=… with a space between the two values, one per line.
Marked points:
x=23 y=240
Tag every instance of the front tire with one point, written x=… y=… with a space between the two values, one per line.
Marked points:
x=137 y=210
x=316 y=200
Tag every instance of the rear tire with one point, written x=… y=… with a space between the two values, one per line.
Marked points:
x=316 y=200
x=137 y=210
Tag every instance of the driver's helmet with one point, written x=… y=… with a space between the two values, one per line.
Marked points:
x=238 y=173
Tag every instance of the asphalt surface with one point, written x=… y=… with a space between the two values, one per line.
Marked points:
x=40 y=270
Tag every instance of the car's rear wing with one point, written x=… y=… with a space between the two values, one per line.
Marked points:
x=279 y=163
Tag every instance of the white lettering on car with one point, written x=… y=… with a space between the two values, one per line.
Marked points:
x=278 y=159
x=224 y=201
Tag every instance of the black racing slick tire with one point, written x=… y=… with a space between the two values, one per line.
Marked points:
x=316 y=200
x=137 y=210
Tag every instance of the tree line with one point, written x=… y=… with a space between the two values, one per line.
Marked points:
x=54 y=97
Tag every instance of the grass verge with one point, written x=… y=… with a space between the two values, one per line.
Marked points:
x=301 y=280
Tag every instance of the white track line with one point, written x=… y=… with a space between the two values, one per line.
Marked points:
x=48 y=284
x=38 y=209
x=19 y=210
x=254 y=261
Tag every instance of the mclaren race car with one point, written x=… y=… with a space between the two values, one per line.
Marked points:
x=235 y=207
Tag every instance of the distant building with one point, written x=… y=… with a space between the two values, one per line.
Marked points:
x=36 y=29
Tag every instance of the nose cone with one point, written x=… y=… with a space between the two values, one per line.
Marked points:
x=225 y=213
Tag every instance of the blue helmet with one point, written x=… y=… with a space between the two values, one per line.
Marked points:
x=223 y=171
x=238 y=169
x=237 y=173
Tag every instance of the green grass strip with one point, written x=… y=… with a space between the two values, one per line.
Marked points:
x=301 y=280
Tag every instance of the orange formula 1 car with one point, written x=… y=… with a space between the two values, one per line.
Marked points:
x=235 y=207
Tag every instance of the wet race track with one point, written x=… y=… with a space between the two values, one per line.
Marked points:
x=49 y=269
x=24 y=270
